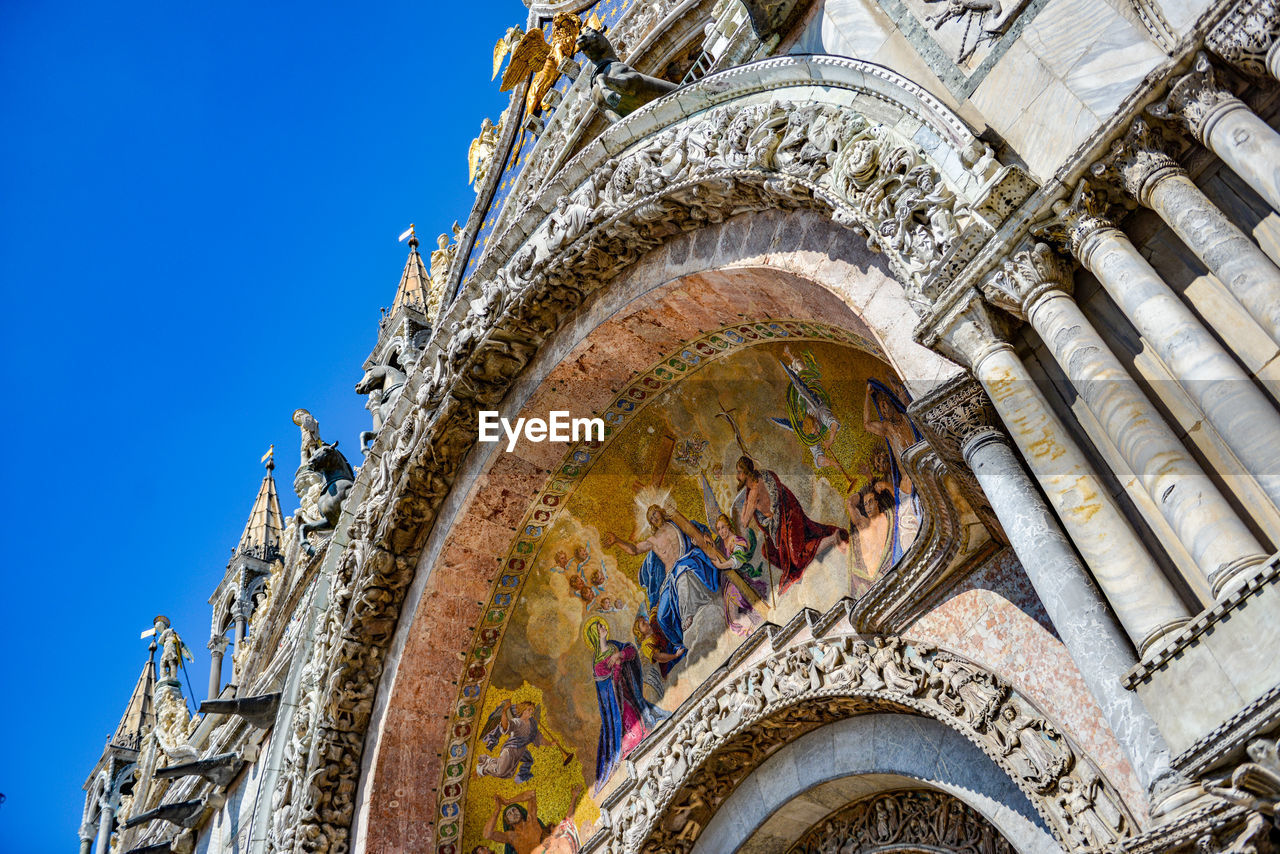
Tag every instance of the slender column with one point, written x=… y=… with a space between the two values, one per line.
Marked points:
x=1036 y=285
x=1226 y=395
x=241 y=624
x=217 y=648
x=1144 y=601
x=1249 y=38
x=1151 y=176
x=1073 y=603
x=105 y=820
x=87 y=833
x=1226 y=126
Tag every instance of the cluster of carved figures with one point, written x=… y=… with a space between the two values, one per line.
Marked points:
x=908 y=820
x=687 y=774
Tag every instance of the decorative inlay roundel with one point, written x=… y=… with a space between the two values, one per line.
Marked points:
x=906 y=822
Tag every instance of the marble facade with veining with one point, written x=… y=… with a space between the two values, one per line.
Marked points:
x=992 y=207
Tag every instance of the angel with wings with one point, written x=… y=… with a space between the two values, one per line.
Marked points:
x=533 y=55
x=521 y=723
x=481 y=151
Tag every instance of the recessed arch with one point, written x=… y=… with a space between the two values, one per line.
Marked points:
x=859 y=756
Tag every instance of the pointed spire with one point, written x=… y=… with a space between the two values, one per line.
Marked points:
x=261 y=537
x=139 y=716
x=415 y=283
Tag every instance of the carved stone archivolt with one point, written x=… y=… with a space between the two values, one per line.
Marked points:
x=683 y=773
x=683 y=174
x=912 y=820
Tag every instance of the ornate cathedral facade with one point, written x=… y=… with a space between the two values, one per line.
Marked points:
x=934 y=505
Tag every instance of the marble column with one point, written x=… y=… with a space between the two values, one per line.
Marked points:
x=1078 y=611
x=106 y=820
x=1151 y=176
x=1036 y=285
x=1226 y=126
x=87 y=833
x=1228 y=397
x=1143 y=599
x=217 y=649
x=1249 y=37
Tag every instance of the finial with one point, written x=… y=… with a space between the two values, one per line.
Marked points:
x=269 y=458
x=413 y=237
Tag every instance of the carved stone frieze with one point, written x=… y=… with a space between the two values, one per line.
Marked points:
x=723 y=161
x=683 y=773
x=1246 y=37
x=906 y=820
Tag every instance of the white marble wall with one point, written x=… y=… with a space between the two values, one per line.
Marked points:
x=1067 y=71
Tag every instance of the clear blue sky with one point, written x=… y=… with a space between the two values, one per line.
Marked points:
x=199 y=205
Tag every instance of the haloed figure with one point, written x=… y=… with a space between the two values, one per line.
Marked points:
x=626 y=717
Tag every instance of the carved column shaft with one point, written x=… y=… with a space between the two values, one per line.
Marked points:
x=1074 y=604
x=86 y=845
x=1202 y=519
x=1144 y=601
x=1217 y=384
x=1226 y=126
x=217 y=649
x=105 y=820
x=1156 y=181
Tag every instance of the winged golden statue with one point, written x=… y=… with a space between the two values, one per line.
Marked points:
x=534 y=56
x=481 y=151
x=505 y=45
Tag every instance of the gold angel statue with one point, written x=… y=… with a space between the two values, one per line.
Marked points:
x=534 y=55
x=481 y=151
x=505 y=45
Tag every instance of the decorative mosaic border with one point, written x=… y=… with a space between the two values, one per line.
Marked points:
x=578 y=460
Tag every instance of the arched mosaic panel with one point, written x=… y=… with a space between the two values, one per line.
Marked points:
x=751 y=475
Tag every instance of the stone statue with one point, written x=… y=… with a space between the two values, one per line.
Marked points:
x=172 y=650
x=383 y=384
x=329 y=463
x=322 y=481
x=617 y=88
x=481 y=152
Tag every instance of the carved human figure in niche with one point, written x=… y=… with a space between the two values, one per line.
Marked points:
x=1089 y=825
x=1034 y=748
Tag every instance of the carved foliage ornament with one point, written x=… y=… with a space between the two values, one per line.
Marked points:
x=683 y=776
x=726 y=161
x=899 y=821
x=1247 y=35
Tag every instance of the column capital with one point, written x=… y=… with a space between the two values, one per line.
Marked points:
x=966 y=332
x=1139 y=161
x=956 y=415
x=218 y=644
x=1196 y=100
x=1248 y=36
x=1077 y=219
x=1026 y=277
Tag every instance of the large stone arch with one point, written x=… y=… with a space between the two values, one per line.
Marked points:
x=860 y=756
x=892 y=164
